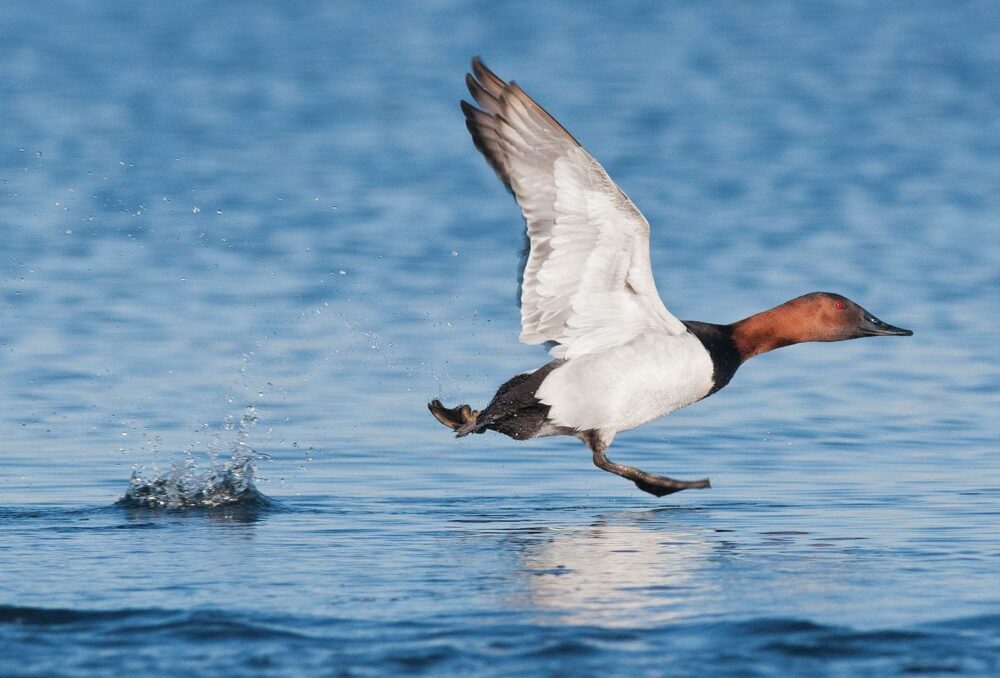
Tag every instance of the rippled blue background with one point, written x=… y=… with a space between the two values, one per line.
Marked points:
x=206 y=206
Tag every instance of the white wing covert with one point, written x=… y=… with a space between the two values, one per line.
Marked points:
x=587 y=282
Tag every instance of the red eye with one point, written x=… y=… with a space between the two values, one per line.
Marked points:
x=839 y=305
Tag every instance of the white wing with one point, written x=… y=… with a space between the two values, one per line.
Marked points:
x=587 y=283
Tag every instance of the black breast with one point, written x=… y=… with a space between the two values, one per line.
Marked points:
x=718 y=339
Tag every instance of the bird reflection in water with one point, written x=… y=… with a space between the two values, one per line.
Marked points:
x=617 y=572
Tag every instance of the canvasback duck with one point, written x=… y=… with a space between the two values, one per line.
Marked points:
x=620 y=358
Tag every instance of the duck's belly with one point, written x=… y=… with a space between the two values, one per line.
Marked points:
x=630 y=385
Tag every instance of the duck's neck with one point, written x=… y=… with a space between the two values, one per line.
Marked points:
x=768 y=330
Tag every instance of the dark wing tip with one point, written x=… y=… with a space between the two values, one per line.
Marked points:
x=482 y=72
x=485 y=142
x=486 y=90
x=491 y=93
x=487 y=79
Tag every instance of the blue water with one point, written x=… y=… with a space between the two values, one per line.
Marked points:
x=244 y=243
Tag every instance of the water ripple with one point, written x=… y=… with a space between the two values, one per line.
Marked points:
x=242 y=640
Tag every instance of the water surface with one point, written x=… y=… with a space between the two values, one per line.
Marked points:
x=213 y=207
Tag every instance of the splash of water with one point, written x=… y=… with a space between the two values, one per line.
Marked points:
x=224 y=482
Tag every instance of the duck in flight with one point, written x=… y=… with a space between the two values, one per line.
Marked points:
x=620 y=358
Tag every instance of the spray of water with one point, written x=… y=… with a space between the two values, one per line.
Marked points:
x=222 y=482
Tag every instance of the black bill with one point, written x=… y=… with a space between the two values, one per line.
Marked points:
x=872 y=327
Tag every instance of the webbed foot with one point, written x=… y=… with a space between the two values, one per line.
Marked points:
x=661 y=486
x=453 y=417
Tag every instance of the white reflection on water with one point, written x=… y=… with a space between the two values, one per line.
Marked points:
x=616 y=574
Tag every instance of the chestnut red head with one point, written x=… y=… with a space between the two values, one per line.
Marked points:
x=818 y=316
x=840 y=318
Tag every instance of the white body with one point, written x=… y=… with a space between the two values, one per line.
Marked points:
x=630 y=385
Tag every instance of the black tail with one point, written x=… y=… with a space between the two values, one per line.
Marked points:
x=514 y=410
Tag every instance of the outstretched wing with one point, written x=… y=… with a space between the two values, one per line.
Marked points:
x=587 y=283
